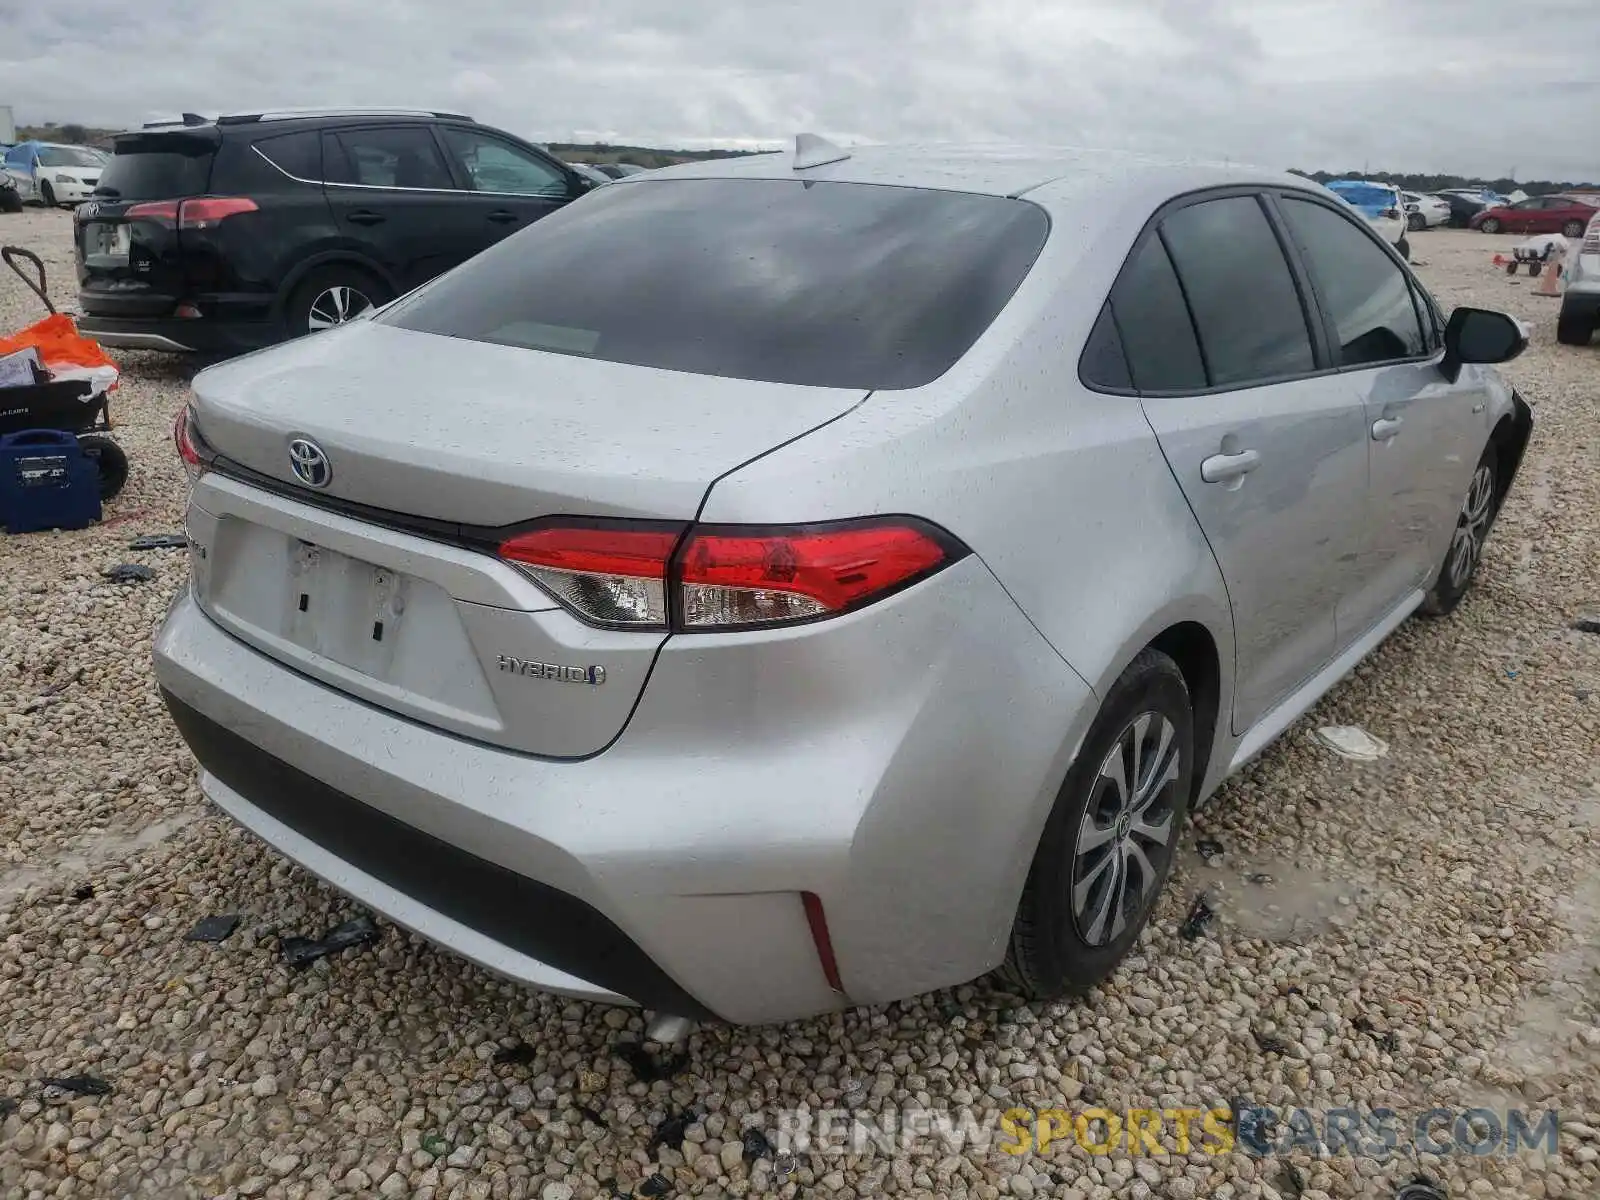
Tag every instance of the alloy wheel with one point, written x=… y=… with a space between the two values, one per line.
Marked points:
x=336 y=305
x=1472 y=526
x=1127 y=830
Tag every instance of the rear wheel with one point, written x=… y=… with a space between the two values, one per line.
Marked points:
x=109 y=459
x=10 y=200
x=1416 y=221
x=330 y=296
x=1108 y=845
x=47 y=194
x=1574 y=328
x=1492 y=225
x=1404 y=247
x=1473 y=522
x=1573 y=229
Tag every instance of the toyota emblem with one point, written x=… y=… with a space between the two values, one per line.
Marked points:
x=309 y=464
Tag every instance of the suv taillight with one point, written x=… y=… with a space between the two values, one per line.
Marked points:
x=204 y=212
x=708 y=578
x=1591 y=239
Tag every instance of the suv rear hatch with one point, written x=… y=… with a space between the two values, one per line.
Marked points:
x=128 y=243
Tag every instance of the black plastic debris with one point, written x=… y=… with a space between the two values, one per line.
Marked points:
x=301 y=952
x=1292 y=1181
x=520 y=1054
x=648 y=1068
x=593 y=1115
x=128 y=573
x=756 y=1145
x=84 y=891
x=159 y=541
x=1420 y=1188
x=614 y=1189
x=1587 y=624
x=1209 y=849
x=79 y=1085
x=656 y=1185
x=1389 y=1042
x=672 y=1128
x=1270 y=1043
x=8 y=1105
x=1199 y=918
x=213 y=929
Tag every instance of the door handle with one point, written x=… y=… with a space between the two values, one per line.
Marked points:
x=1224 y=468
x=1385 y=428
x=502 y=216
x=365 y=216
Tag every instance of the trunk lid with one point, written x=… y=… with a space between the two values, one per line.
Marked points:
x=134 y=267
x=489 y=435
x=448 y=432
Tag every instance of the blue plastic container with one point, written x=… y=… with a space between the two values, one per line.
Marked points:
x=46 y=482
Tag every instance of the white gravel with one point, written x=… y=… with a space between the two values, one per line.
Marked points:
x=1446 y=894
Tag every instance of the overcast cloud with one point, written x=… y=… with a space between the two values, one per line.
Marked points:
x=1459 y=86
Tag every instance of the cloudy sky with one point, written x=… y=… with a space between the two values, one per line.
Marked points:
x=1422 y=85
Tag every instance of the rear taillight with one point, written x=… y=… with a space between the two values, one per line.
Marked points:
x=1591 y=240
x=720 y=577
x=205 y=212
x=1392 y=214
x=192 y=449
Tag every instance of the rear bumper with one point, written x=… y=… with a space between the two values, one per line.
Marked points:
x=176 y=335
x=899 y=767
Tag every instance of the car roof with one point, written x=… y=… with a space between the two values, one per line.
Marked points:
x=1046 y=172
x=276 y=117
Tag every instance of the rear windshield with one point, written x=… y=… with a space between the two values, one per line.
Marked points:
x=1366 y=196
x=157 y=169
x=828 y=284
x=68 y=156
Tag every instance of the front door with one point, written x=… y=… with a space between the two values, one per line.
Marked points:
x=1271 y=456
x=1423 y=440
x=508 y=186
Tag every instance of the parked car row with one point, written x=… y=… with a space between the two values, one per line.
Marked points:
x=53 y=174
x=1566 y=215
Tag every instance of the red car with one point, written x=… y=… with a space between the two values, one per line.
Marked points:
x=1540 y=214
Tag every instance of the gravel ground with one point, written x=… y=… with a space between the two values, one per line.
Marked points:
x=1446 y=896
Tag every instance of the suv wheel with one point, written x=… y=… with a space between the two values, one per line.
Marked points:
x=1109 y=843
x=1573 y=229
x=1478 y=511
x=1574 y=328
x=331 y=296
x=1404 y=247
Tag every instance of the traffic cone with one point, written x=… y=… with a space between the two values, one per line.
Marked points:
x=1549 y=280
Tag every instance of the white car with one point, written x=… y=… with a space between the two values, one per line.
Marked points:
x=1380 y=205
x=51 y=174
x=1424 y=211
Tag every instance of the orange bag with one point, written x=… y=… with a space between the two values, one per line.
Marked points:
x=58 y=342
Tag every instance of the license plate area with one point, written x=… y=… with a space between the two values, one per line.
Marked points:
x=106 y=244
x=344 y=609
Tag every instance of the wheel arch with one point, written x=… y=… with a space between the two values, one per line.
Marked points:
x=330 y=258
x=1510 y=439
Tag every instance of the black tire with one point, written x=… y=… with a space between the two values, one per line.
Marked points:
x=1574 y=329
x=1511 y=267
x=1404 y=247
x=1415 y=222
x=111 y=461
x=297 y=311
x=1573 y=229
x=10 y=200
x=47 y=194
x=1049 y=955
x=1492 y=225
x=1535 y=268
x=1455 y=579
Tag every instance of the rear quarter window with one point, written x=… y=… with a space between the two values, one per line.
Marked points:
x=296 y=154
x=828 y=284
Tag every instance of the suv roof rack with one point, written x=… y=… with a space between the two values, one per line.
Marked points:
x=292 y=114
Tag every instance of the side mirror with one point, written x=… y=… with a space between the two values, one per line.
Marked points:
x=1478 y=335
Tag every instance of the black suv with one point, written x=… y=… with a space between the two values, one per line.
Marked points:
x=220 y=236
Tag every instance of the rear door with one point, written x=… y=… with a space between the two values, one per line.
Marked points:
x=1424 y=434
x=508 y=186
x=392 y=193
x=1270 y=454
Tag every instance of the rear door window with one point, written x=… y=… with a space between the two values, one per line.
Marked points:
x=158 y=168
x=389 y=156
x=296 y=154
x=1157 y=331
x=789 y=281
x=1246 y=307
x=1363 y=290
